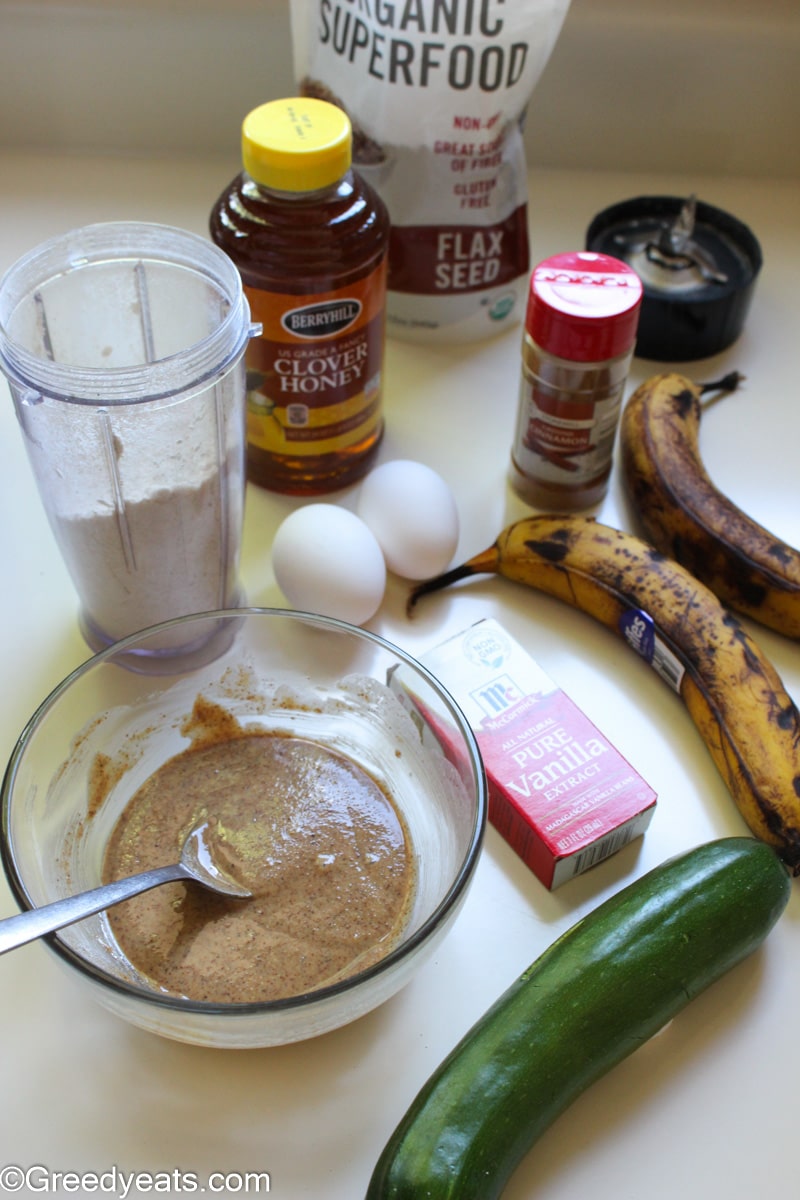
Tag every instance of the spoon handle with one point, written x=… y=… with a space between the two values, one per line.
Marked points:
x=35 y=922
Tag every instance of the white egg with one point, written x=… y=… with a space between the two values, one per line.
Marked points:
x=327 y=561
x=413 y=514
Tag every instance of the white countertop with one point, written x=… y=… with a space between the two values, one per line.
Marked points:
x=703 y=1110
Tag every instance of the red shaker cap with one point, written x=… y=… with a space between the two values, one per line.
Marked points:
x=583 y=306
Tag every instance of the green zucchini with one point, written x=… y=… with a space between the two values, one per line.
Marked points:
x=605 y=986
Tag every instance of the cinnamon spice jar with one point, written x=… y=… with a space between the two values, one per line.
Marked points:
x=580 y=331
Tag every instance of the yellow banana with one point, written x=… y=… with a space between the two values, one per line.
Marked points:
x=684 y=515
x=732 y=692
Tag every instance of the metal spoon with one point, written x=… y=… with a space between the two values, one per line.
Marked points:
x=196 y=862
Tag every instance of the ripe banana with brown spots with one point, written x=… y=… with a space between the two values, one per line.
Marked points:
x=732 y=692
x=684 y=515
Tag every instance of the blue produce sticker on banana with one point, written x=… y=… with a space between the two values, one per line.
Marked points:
x=640 y=632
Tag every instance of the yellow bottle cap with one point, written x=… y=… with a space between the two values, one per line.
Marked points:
x=296 y=145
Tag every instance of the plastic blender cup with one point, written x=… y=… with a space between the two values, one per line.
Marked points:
x=123 y=345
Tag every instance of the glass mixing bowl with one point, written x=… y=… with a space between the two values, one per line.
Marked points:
x=278 y=671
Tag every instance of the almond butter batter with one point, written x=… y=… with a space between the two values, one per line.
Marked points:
x=311 y=834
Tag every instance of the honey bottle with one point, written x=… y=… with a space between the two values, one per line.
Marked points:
x=310 y=238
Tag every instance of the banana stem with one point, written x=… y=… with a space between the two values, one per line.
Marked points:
x=729 y=383
x=481 y=564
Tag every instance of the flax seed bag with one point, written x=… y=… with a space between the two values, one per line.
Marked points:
x=436 y=91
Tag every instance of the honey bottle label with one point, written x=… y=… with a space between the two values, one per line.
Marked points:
x=314 y=375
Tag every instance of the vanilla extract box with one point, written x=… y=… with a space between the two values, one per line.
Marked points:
x=559 y=793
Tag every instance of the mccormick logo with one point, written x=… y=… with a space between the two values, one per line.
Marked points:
x=495 y=697
x=321 y=320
